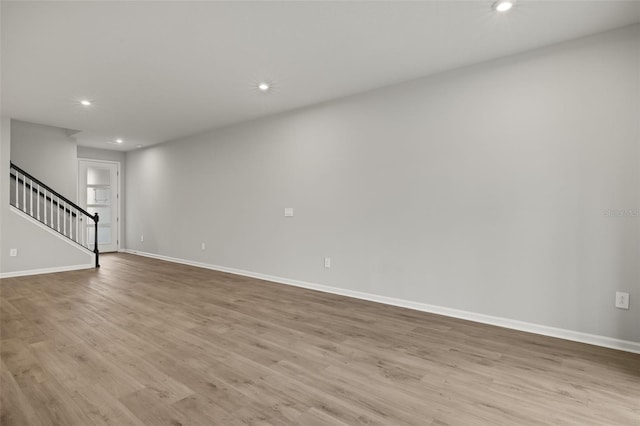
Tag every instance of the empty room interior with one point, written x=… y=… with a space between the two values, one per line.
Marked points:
x=320 y=213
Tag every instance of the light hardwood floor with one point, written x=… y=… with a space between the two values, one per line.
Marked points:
x=146 y=342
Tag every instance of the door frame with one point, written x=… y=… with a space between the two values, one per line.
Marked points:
x=118 y=198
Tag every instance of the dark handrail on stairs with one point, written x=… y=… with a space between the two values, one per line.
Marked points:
x=48 y=194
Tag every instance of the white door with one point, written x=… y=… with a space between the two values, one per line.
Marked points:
x=98 y=189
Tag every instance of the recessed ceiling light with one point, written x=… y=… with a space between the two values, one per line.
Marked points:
x=119 y=141
x=85 y=102
x=503 y=5
x=264 y=86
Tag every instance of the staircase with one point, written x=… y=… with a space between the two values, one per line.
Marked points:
x=37 y=200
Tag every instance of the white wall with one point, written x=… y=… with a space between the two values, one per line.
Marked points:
x=5 y=158
x=39 y=249
x=48 y=153
x=119 y=157
x=482 y=189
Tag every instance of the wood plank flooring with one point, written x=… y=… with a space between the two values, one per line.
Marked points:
x=146 y=342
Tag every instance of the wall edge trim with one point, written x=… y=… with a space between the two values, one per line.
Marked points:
x=36 y=222
x=575 y=336
x=45 y=270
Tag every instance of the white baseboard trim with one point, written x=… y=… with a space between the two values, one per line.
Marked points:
x=576 y=336
x=45 y=270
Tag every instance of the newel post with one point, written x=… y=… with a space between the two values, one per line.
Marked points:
x=96 y=219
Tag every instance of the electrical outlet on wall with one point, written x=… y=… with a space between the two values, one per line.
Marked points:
x=327 y=262
x=622 y=300
x=203 y=246
x=142 y=238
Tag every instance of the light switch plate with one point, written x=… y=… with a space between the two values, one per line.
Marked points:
x=13 y=252
x=288 y=211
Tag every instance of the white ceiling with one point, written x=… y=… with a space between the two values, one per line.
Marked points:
x=158 y=71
